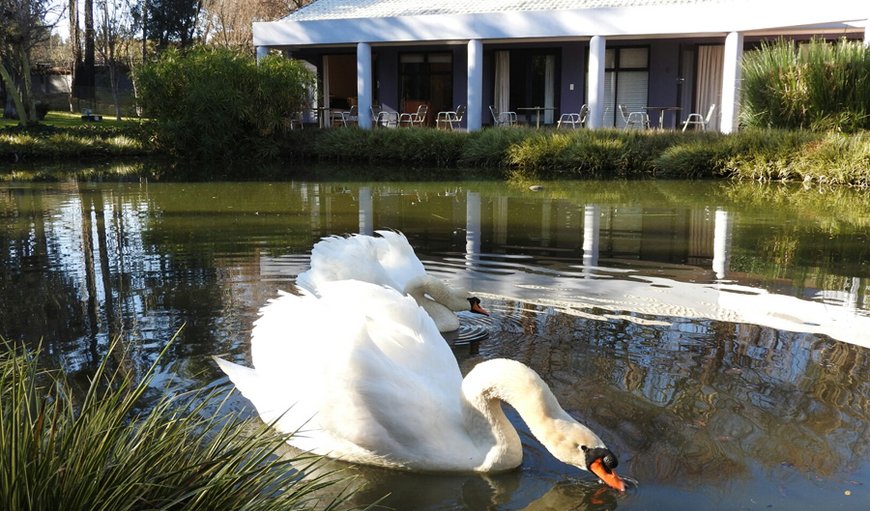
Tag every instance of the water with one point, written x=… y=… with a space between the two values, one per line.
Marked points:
x=715 y=334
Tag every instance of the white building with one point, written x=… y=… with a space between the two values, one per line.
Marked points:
x=552 y=54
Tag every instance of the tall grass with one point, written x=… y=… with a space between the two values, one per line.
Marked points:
x=105 y=449
x=819 y=86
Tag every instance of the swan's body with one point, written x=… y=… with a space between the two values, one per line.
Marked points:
x=376 y=384
x=387 y=260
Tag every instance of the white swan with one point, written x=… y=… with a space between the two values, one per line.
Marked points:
x=388 y=260
x=362 y=374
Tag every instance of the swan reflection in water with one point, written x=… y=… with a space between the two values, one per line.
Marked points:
x=529 y=488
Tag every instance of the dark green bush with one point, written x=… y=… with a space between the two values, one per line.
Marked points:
x=218 y=104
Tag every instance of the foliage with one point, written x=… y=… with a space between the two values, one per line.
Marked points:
x=819 y=86
x=218 y=104
x=23 y=25
x=826 y=158
x=172 y=22
x=518 y=153
x=420 y=147
x=98 y=449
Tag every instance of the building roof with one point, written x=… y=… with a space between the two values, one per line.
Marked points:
x=349 y=9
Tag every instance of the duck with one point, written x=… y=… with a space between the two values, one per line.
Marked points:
x=360 y=373
x=387 y=259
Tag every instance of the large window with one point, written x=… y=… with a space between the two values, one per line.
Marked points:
x=426 y=78
x=533 y=81
x=626 y=81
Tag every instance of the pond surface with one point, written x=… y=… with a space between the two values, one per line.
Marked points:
x=715 y=334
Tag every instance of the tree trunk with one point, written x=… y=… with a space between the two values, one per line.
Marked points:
x=29 y=116
x=76 y=49
x=14 y=92
x=89 y=80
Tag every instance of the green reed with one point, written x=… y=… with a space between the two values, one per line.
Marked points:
x=104 y=448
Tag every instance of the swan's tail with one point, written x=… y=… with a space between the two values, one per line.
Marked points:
x=251 y=385
x=244 y=378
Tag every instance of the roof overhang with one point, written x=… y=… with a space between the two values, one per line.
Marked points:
x=751 y=17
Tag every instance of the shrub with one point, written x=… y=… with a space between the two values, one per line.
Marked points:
x=819 y=86
x=218 y=104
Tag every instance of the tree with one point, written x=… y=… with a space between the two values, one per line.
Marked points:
x=23 y=25
x=172 y=22
x=114 y=37
x=227 y=23
x=75 y=46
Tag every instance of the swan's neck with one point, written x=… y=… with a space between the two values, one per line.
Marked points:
x=505 y=380
x=438 y=291
x=438 y=299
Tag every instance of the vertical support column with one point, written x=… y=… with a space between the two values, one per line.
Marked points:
x=731 y=82
x=595 y=82
x=262 y=51
x=474 y=92
x=364 y=84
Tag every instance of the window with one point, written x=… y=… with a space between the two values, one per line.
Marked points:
x=426 y=78
x=626 y=81
x=533 y=81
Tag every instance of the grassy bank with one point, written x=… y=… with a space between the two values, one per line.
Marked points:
x=764 y=155
x=522 y=153
x=64 y=136
x=108 y=447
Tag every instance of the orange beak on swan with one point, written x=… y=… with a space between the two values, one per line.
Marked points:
x=607 y=475
x=475 y=306
x=601 y=462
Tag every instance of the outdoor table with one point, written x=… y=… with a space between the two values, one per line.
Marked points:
x=662 y=110
x=538 y=111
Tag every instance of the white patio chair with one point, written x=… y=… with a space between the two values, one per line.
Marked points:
x=639 y=120
x=383 y=118
x=347 y=117
x=574 y=119
x=502 y=119
x=695 y=119
x=414 y=119
x=450 y=119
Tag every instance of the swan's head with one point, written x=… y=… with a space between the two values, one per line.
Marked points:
x=475 y=306
x=580 y=447
x=601 y=462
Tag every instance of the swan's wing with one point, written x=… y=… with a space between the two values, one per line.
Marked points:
x=354 y=257
x=398 y=258
x=362 y=368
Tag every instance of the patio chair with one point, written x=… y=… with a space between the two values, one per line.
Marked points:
x=296 y=121
x=450 y=119
x=502 y=119
x=695 y=119
x=383 y=118
x=638 y=119
x=574 y=119
x=347 y=116
x=414 y=119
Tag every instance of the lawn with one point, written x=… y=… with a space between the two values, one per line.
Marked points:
x=71 y=120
